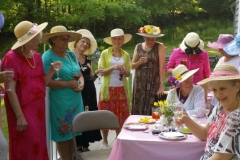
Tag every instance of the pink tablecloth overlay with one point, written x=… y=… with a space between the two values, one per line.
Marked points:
x=137 y=145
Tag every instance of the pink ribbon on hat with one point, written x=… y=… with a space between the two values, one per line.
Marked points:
x=223 y=73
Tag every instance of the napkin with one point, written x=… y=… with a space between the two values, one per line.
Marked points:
x=172 y=134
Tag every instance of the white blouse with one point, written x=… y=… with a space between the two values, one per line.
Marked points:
x=195 y=103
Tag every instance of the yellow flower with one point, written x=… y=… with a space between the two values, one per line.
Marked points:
x=160 y=103
x=178 y=77
x=148 y=29
x=165 y=102
x=155 y=103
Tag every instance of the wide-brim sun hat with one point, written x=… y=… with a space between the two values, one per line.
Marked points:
x=115 y=33
x=181 y=73
x=192 y=39
x=1 y=20
x=222 y=40
x=150 y=31
x=25 y=31
x=85 y=34
x=222 y=72
x=58 y=31
x=233 y=48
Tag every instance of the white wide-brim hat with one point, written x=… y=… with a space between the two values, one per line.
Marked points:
x=150 y=31
x=117 y=32
x=25 y=31
x=222 y=72
x=181 y=73
x=85 y=34
x=233 y=48
x=192 y=39
x=60 y=30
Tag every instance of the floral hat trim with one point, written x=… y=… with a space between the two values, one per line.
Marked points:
x=150 y=31
x=175 y=80
x=31 y=31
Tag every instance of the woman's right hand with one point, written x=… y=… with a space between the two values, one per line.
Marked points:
x=72 y=84
x=21 y=123
x=6 y=76
x=142 y=60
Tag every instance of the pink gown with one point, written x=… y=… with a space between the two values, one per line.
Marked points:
x=30 y=89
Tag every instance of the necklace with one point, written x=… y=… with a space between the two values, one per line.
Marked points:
x=34 y=64
x=117 y=58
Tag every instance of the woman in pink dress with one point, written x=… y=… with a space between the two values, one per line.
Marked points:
x=24 y=97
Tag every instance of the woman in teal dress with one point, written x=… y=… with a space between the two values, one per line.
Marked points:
x=65 y=94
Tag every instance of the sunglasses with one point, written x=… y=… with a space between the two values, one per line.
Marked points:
x=64 y=39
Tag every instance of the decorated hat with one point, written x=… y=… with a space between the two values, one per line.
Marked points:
x=181 y=73
x=1 y=20
x=58 y=31
x=150 y=31
x=87 y=34
x=25 y=31
x=222 y=72
x=233 y=48
x=117 y=32
x=192 y=44
x=223 y=39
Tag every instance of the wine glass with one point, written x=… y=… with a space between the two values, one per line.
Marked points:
x=57 y=66
x=10 y=76
x=145 y=58
x=178 y=112
x=207 y=110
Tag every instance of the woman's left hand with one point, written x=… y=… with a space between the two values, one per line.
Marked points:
x=79 y=88
x=160 y=91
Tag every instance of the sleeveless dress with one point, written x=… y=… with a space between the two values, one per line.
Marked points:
x=89 y=97
x=146 y=81
x=30 y=90
x=65 y=103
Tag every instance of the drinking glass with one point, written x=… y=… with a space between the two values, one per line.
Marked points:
x=8 y=89
x=76 y=76
x=57 y=66
x=178 y=112
x=146 y=58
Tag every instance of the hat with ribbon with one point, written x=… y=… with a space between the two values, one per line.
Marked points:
x=117 y=32
x=233 y=48
x=181 y=73
x=25 y=31
x=85 y=34
x=222 y=72
x=60 y=30
x=192 y=44
x=1 y=20
x=222 y=40
x=150 y=31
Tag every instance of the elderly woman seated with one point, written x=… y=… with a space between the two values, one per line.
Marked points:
x=222 y=130
x=191 y=96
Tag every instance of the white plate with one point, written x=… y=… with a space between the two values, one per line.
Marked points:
x=172 y=136
x=136 y=126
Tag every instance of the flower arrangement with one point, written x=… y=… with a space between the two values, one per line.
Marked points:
x=33 y=30
x=174 y=81
x=166 y=109
x=150 y=30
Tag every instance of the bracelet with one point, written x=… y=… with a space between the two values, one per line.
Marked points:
x=161 y=82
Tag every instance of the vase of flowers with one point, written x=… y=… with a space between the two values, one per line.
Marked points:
x=166 y=109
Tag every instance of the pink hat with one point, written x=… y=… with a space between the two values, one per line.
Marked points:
x=223 y=39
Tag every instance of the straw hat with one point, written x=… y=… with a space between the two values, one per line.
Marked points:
x=150 y=31
x=1 y=20
x=222 y=72
x=117 y=32
x=60 y=30
x=233 y=48
x=181 y=73
x=87 y=34
x=223 y=39
x=25 y=31
x=192 y=44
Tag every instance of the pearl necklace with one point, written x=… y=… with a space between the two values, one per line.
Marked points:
x=34 y=64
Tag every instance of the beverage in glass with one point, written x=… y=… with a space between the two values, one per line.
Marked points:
x=183 y=61
x=76 y=76
x=155 y=115
x=57 y=66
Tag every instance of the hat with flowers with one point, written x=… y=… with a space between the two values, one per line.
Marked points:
x=150 y=31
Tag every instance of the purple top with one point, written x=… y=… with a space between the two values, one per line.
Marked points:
x=181 y=98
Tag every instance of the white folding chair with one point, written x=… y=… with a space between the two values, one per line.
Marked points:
x=93 y=120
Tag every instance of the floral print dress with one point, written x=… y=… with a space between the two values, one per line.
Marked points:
x=65 y=103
